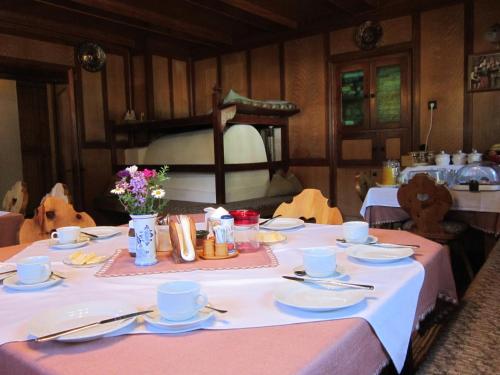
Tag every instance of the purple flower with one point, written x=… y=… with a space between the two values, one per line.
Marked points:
x=123 y=173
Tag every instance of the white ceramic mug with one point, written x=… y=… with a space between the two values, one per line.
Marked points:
x=33 y=270
x=355 y=231
x=180 y=300
x=66 y=234
x=320 y=261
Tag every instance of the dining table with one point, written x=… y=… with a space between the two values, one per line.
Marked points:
x=481 y=210
x=345 y=345
x=10 y=223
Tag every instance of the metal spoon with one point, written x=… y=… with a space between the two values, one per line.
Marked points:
x=218 y=310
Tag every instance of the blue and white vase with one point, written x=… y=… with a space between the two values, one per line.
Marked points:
x=145 y=237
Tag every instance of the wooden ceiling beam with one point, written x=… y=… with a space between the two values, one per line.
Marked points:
x=354 y=7
x=161 y=20
x=250 y=6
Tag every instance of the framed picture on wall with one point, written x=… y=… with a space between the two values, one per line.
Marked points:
x=484 y=72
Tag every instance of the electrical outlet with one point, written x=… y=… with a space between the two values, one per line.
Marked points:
x=430 y=102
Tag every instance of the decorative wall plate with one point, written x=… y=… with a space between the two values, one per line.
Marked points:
x=91 y=56
x=368 y=35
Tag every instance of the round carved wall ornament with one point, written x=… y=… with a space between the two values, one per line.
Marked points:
x=91 y=56
x=368 y=35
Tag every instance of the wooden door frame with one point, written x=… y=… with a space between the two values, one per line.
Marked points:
x=21 y=69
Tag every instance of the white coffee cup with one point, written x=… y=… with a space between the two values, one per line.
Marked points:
x=33 y=270
x=355 y=231
x=180 y=300
x=66 y=235
x=320 y=261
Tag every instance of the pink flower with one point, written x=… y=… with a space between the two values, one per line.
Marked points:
x=149 y=173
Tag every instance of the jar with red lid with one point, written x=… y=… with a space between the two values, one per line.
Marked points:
x=246 y=229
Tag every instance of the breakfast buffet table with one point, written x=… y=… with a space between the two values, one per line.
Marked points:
x=481 y=210
x=256 y=335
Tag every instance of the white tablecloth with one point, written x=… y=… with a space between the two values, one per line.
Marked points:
x=247 y=294
x=484 y=201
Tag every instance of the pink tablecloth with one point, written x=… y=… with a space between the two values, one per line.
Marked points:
x=9 y=228
x=346 y=346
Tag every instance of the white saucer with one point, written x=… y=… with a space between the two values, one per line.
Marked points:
x=283 y=223
x=375 y=254
x=75 y=315
x=196 y=322
x=307 y=298
x=12 y=282
x=82 y=241
x=102 y=232
x=339 y=272
x=369 y=241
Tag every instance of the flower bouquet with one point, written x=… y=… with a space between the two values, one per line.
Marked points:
x=142 y=195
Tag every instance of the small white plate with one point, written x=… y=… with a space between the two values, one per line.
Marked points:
x=12 y=282
x=308 y=298
x=102 y=232
x=387 y=186
x=62 y=318
x=369 y=241
x=283 y=223
x=339 y=272
x=376 y=254
x=264 y=236
x=82 y=241
x=193 y=323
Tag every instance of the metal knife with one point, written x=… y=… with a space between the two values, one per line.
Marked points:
x=329 y=282
x=81 y=328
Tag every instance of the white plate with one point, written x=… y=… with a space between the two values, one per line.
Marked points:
x=12 y=282
x=82 y=241
x=370 y=240
x=67 y=261
x=387 y=186
x=62 y=318
x=267 y=234
x=309 y=298
x=376 y=254
x=102 y=232
x=283 y=223
x=193 y=323
x=339 y=272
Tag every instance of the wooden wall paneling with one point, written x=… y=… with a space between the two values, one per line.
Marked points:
x=180 y=88
x=305 y=81
x=37 y=50
x=205 y=78
x=467 y=96
x=97 y=174
x=415 y=87
x=171 y=88
x=248 y=59
x=396 y=30
x=265 y=72
x=486 y=13
x=442 y=70
x=93 y=106
x=139 y=85
x=486 y=120
x=161 y=87
x=116 y=87
x=234 y=73
x=313 y=177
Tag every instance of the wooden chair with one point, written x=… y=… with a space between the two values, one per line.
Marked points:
x=60 y=190
x=427 y=204
x=309 y=204
x=16 y=199
x=52 y=213
x=362 y=183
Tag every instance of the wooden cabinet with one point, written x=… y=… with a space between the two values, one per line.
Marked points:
x=372 y=109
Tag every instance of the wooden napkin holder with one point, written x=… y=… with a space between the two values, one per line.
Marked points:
x=176 y=238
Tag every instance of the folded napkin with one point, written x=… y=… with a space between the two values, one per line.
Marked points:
x=215 y=213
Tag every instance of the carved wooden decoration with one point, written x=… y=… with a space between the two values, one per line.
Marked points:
x=310 y=204
x=426 y=202
x=16 y=199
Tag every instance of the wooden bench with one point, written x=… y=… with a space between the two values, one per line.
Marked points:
x=470 y=342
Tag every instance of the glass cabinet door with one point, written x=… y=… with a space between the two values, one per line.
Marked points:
x=389 y=98
x=353 y=108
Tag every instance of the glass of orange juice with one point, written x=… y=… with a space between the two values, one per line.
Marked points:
x=390 y=172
